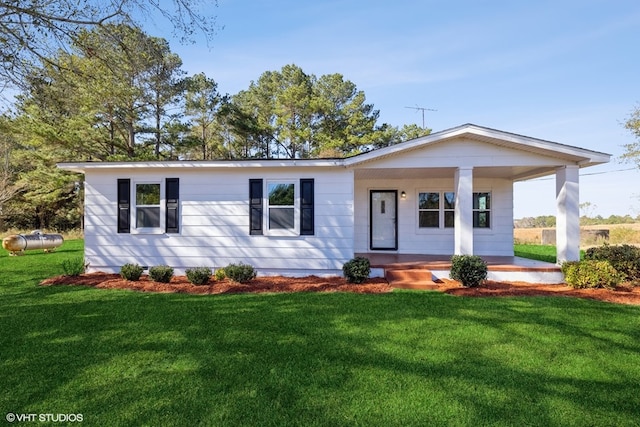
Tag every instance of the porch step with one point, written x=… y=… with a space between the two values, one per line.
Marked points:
x=411 y=278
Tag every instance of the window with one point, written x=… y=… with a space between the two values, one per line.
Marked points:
x=147 y=205
x=482 y=210
x=429 y=210
x=449 y=200
x=155 y=205
x=281 y=207
x=436 y=209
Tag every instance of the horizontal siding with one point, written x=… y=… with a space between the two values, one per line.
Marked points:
x=214 y=224
x=411 y=239
x=464 y=152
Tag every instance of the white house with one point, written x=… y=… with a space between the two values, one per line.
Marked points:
x=450 y=192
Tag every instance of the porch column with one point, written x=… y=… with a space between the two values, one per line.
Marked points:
x=568 y=214
x=463 y=216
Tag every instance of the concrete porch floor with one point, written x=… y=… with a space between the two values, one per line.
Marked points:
x=500 y=268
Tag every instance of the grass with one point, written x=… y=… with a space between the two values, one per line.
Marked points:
x=405 y=358
x=545 y=253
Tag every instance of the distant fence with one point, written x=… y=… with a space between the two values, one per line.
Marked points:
x=592 y=235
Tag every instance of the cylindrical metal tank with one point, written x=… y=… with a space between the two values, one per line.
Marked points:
x=36 y=240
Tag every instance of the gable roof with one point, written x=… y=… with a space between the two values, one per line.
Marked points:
x=581 y=156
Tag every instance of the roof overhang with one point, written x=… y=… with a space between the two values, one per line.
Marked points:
x=82 y=167
x=558 y=154
x=579 y=156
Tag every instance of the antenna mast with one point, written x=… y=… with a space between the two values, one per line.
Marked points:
x=423 y=109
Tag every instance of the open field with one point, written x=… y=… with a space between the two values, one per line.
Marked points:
x=618 y=234
x=401 y=358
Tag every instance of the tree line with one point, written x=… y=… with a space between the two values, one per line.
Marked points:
x=549 y=221
x=119 y=94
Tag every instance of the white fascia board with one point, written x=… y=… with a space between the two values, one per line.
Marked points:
x=185 y=164
x=586 y=157
x=591 y=157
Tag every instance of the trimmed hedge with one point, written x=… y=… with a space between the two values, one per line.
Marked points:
x=131 y=272
x=357 y=270
x=624 y=258
x=591 y=274
x=241 y=273
x=161 y=273
x=198 y=275
x=470 y=270
x=74 y=266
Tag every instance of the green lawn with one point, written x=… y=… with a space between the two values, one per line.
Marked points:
x=540 y=252
x=405 y=358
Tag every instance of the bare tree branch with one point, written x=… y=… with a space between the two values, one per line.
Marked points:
x=33 y=31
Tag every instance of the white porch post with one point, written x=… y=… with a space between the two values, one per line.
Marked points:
x=568 y=214
x=463 y=216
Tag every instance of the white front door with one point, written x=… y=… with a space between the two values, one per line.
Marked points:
x=384 y=224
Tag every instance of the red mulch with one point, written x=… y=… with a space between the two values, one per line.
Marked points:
x=179 y=284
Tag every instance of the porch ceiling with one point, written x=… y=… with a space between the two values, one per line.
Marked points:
x=515 y=173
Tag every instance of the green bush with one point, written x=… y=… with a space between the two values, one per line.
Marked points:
x=357 y=270
x=198 y=275
x=131 y=272
x=161 y=273
x=591 y=274
x=240 y=273
x=624 y=258
x=220 y=274
x=470 y=270
x=74 y=266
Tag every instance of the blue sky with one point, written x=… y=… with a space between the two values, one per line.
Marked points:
x=563 y=70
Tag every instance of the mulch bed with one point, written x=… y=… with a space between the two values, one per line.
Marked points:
x=180 y=284
x=626 y=294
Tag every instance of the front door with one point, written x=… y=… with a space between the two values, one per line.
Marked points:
x=383 y=210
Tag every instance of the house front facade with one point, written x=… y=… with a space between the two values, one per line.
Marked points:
x=447 y=193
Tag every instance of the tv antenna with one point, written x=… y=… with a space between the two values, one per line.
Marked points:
x=423 y=109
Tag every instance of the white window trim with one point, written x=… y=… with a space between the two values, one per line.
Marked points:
x=296 y=207
x=441 y=229
x=134 y=209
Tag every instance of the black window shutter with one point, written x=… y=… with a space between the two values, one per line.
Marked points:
x=306 y=207
x=172 y=199
x=255 y=206
x=124 y=205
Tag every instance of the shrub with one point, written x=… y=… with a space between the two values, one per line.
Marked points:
x=199 y=275
x=624 y=258
x=240 y=273
x=131 y=272
x=220 y=274
x=357 y=270
x=470 y=270
x=161 y=273
x=591 y=274
x=74 y=266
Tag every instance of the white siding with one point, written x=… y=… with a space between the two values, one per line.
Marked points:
x=214 y=223
x=463 y=152
x=497 y=240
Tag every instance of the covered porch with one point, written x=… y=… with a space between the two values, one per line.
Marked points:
x=452 y=193
x=419 y=271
